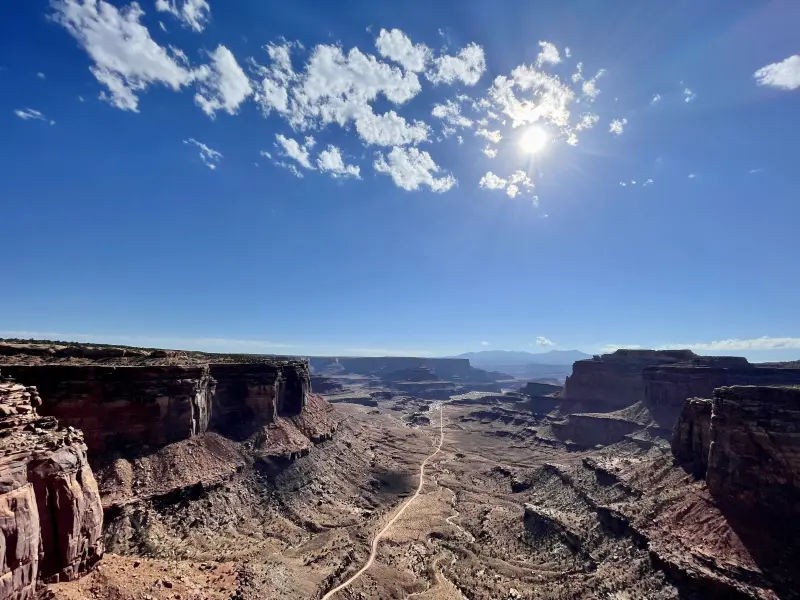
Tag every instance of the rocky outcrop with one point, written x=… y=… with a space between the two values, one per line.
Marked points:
x=691 y=439
x=612 y=381
x=154 y=405
x=535 y=389
x=670 y=385
x=748 y=449
x=50 y=512
x=590 y=430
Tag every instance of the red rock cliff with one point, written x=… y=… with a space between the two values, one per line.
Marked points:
x=50 y=512
x=155 y=405
x=750 y=446
x=615 y=380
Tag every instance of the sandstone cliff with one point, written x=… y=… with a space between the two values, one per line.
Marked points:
x=670 y=385
x=150 y=406
x=50 y=512
x=615 y=380
x=748 y=450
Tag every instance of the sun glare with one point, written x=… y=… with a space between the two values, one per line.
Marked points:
x=534 y=140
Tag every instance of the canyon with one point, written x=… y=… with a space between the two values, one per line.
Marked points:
x=658 y=474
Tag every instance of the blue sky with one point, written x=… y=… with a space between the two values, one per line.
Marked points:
x=403 y=178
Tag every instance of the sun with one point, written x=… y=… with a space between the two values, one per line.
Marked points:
x=533 y=140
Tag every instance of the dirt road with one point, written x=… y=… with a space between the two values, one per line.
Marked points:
x=376 y=540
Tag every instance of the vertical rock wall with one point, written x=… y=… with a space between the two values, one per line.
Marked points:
x=50 y=511
x=746 y=443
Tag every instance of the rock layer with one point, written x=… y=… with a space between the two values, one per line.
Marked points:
x=50 y=512
x=154 y=405
x=615 y=380
x=750 y=447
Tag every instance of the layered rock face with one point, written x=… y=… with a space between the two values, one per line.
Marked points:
x=670 y=385
x=155 y=405
x=50 y=512
x=747 y=448
x=615 y=380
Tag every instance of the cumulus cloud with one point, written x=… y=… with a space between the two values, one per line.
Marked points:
x=411 y=168
x=617 y=126
x=543 y=341
x=655 y=99
x=739 y=344
x=389 y=129
x=492 y=136
x=490 y=181
x=647 y=183
x=209 y=156
x=194 y=14
x=530 y=95
x=126 y=59
x=489 y=151
x=784 y=75
x=467 y=66
x=330 y=161
x=450 y=113
x=587 y=121
x=688 y=95
x=589 y=87
x=291 y=148
x=512 y=185
x=395 y=45
x=548 y=55
x=223 y=85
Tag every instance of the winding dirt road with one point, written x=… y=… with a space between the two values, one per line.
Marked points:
x=376 y=540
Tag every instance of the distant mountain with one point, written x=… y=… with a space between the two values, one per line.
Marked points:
x=496 y=358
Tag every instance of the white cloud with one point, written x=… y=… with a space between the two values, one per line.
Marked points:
x=754 y=171
x=543 y=341
x=28 y=113
x=737 y=344
x=548 y=55
x=450 y=113
x=589 y=87
x=688 y=95
x=655 y=99
x=512 y=185
x=530 y=95
x=209 y=156
x=617 y=126
x=41 y=75
x=395 y=45
x=467 y=66
x=330 y=161
x=411 y=168
x=623 y=184
x=587 y=121
x=223 y=85
x=492 y=136
x=194 y=14
x=485 y=344
x=460 y=139
x=784 y=75
x=81 y=99
x=337 y=88
x=517 y=180
x=292 y=149
x=577 y=76
x=389 y=129
x=647 y=183
x=126 y=59
x=692 y=175
x=162 y=26
x=490 y=181
x=567 y=52
x=489 y=151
